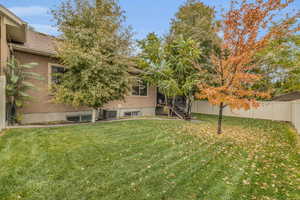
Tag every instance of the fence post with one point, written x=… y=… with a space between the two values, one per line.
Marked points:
x=273 y=111
x=2 y=103
x=296 y=115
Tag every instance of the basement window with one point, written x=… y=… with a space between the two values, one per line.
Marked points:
x=132 y=114
x=73 y=118
x=55 y=73
x=86 y=118
x=79 y=118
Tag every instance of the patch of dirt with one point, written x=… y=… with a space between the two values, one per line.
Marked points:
x=2 y=133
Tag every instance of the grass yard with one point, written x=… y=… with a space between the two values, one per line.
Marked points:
x=157 y=160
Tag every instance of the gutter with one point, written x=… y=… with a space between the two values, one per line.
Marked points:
x=16 y=47
x=32 y=51
x=12 y=15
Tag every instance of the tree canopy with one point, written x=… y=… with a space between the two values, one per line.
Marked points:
x=248 y=28
x=170 y=60
x=95 y=49
x=194 y=20
x=281 y=65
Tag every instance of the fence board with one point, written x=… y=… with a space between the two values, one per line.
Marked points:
x=272 y=110
x=296 y=115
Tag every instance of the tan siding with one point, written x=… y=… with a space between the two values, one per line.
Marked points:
x=41 y=102
x=2 y=103
x=42 y=99
x=136 y=101
x=4 y=52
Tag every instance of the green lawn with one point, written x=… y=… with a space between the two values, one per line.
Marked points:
x=147 y=159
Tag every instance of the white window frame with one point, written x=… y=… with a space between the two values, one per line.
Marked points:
x=50 y=65
x=140 y=95
x=139 y=113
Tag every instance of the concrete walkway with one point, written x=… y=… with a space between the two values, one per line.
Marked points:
x=88 y=123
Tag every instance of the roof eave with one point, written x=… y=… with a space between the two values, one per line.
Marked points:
x=11 y=15
x=32 y=51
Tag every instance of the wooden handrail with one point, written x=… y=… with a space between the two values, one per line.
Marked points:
x=176 y=113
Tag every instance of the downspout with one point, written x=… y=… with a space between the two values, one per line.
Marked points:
x=2 y=44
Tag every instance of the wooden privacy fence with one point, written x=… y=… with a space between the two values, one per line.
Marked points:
x=272 y=110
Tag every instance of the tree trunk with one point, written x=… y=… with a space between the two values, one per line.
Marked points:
x=166 y=100
x=173 y=107
x=189 y=112
x=94 y=115
x=166 y=105
x=220 y=118
x=186 y=104
x=173 y=102
x=189 y=106
x=9 y=113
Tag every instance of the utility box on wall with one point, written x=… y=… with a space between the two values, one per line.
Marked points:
x=110 y=114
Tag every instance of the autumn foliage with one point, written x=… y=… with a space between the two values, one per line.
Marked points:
x=247 y=28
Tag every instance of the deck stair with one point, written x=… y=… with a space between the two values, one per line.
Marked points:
x=179 y=112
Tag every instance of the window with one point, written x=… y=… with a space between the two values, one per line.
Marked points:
x=79 y=118
x=56 y=72
x=132 y=114
x=73 y=118
x=140 y=89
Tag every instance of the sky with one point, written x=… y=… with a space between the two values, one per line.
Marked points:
x=144 y=16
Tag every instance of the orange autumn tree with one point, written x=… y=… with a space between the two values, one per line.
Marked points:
x=246 y=28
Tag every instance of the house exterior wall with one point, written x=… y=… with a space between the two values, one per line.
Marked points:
x=4 y=55
x=4 y=50
x=42 y=98
x=130 y=101
x=42 y=109
x=2 y=103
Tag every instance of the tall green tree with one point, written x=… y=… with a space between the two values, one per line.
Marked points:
x=95 y=48
x=157 y=70
x=192 y=39
x=170 y=66
x=280 y=63
x=195 y=20
x=152 y=51
x=181 y=54
x=190 y=42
